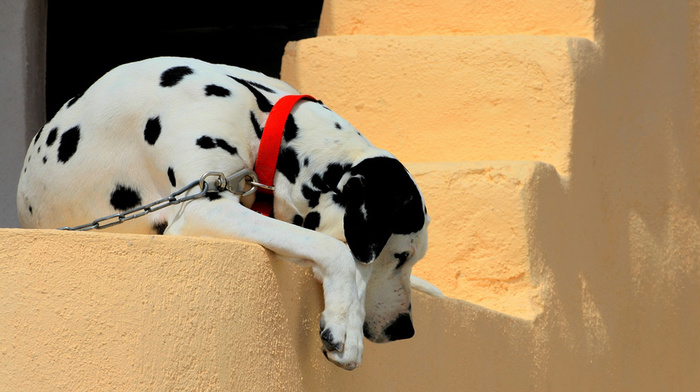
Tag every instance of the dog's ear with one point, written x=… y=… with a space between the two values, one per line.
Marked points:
x=365 y=231
x=380 y=199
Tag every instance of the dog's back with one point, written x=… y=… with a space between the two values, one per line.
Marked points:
x=148 y=128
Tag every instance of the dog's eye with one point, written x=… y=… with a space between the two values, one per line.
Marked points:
x=403 y=256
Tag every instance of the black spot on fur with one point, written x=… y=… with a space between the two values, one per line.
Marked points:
x=213 y=196
x=318 y=183
x=31 y=210
x=206 y=142
x=298 y=220
x=38 y=134
x=171 y=176
x=402 y=257
x=256 y=85
x=311 y=195
x=152 y=130
x=290 y=129
x=339 y=199
x=69 y=144
x=74 y=100
x=174 y=75
x=124 y=198
x=43 y=160
x=333 y=174
x=328 y=181
x=323 y=105
x=263 y=103
x=52 y=137
x=288 y=164
x=159 y=228
x=256 y=125
x=312 y=220
x=221 y=143
x=38 y=150
x=261 y=87
x=217 y=91
x=306 y=162
x=337 y=126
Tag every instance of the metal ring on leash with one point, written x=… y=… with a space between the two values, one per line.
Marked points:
x=237 y=182
x=221 y=181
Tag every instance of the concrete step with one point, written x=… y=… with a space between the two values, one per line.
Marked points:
x=119 y=312
x=449 y=98
x=482 y=231
x=451 y=17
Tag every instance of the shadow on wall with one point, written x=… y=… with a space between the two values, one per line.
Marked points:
x=626 y=264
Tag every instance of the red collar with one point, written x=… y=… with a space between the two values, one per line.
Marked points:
x=269 y=150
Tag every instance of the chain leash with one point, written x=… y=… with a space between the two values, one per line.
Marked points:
x=235 y=183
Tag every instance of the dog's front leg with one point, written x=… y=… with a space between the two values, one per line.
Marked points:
x=334 y=265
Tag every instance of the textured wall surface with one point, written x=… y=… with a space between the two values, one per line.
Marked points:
x=100 y=311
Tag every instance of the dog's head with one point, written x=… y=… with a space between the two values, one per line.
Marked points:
x=385 y=226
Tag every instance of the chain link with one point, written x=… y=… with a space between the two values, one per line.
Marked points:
x=235 y=183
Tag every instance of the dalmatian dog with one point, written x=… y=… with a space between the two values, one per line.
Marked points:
x=346 y=208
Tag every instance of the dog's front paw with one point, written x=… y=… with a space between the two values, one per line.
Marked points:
x=341 y=345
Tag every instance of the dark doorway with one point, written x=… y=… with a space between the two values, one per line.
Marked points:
x=85 y=39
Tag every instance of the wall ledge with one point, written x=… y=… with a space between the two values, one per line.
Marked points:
x=102 y=311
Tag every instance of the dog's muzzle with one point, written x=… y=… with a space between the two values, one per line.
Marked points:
x=400 y=328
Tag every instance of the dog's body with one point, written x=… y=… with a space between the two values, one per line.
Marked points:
x=148 y=128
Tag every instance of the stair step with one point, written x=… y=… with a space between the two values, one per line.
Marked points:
x=456 y=98
x=450 y=17
x=482 y=230
x=137 y=312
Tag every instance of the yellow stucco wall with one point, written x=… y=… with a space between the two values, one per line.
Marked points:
x=100 y=312
x=517 y=91
x=560 y=161
x=457 y=17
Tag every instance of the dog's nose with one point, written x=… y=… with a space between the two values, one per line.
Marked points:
x=401 y=328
